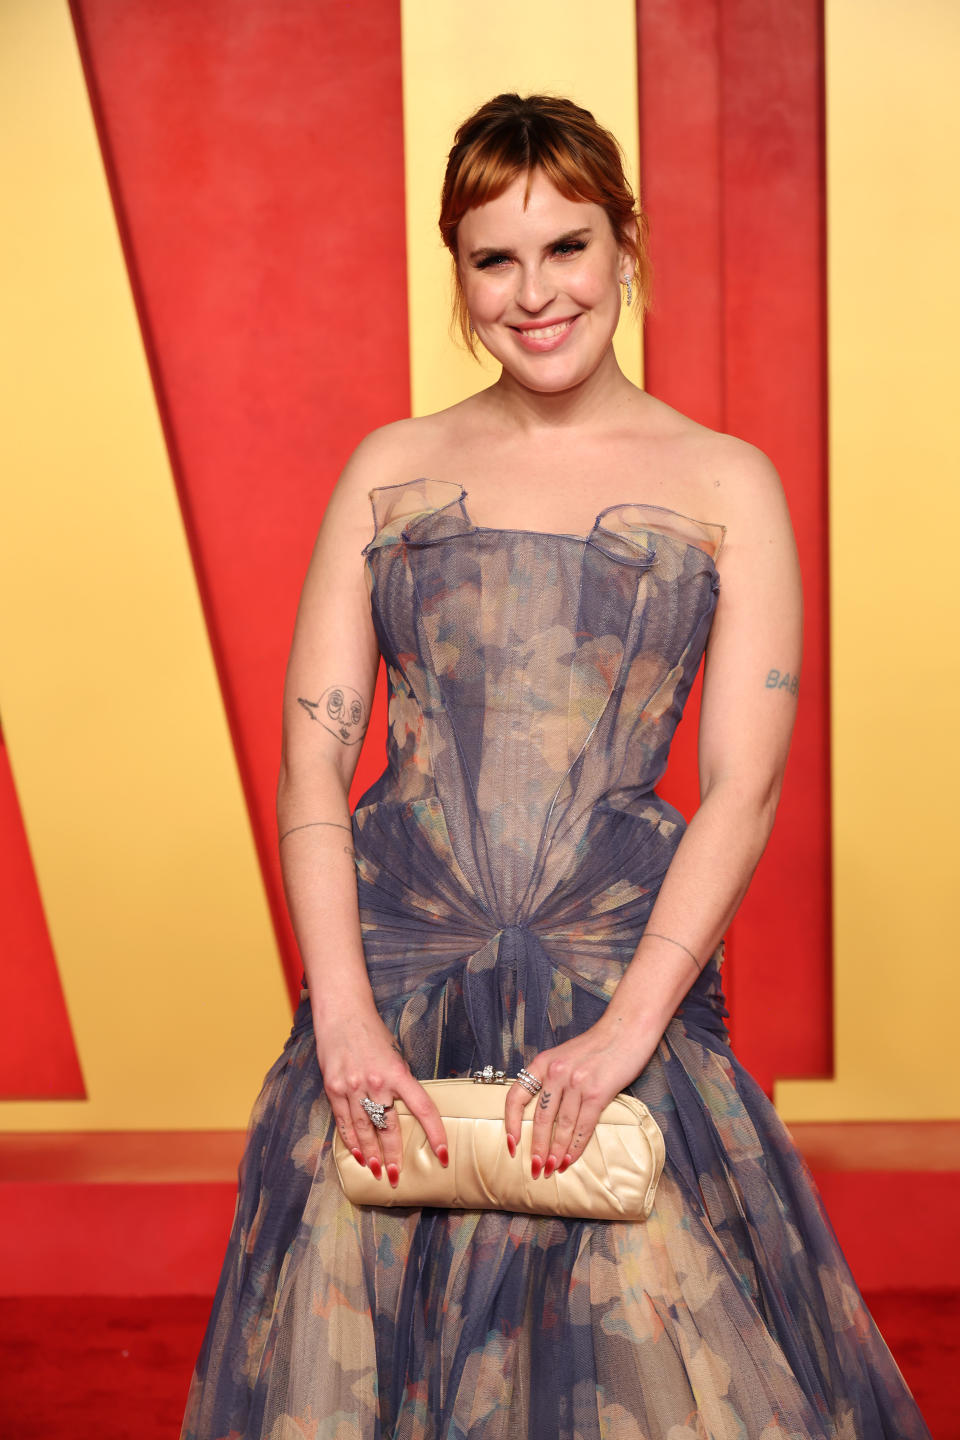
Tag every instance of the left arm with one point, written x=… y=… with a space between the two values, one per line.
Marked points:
x=745 y=727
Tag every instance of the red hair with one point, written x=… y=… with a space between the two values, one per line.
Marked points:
x=511 y=136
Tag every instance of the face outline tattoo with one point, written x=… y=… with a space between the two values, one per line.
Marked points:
x=340 y=710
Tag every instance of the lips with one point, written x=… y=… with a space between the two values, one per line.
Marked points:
x=544 y=337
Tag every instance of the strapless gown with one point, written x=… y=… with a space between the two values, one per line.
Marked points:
x=508 y=859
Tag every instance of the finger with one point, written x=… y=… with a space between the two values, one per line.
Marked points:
x=565 y=1126
x=391 y=1142
x=584 y=1128
x=345 y=1127
x=419 y=1104
x=366 y=1134
x=518 y=1098
x=547 y=1109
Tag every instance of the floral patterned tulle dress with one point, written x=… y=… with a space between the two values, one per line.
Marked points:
x=508 y=859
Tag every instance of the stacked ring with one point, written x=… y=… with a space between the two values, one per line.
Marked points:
x=377 y=1112
x=529 y=1082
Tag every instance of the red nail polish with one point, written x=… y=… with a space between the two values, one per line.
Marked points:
x=443 y=1155
x=549 y=1168
x=358 y=1156
x=393 y=1174
x=564 y=1164
x=512 y=1147
x=374 y=1168
x=536 y=1165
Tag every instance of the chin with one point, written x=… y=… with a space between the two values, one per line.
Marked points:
x=550 y=374
x=556 y=370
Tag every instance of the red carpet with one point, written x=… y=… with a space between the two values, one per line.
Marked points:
x=118 y=1369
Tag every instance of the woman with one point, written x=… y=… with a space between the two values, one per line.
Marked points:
x=513 y=892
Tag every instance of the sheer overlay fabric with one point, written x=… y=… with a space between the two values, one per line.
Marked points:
x=508 y=859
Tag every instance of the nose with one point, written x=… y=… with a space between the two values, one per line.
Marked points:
x=534 y=290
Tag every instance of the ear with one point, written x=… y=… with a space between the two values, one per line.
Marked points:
x=626 y=255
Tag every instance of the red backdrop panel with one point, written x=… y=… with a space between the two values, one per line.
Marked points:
x=731 y=129
x=256 y=167
x=254 y=153
x=38 y=1058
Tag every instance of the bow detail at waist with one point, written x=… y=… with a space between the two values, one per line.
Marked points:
x=507 y=987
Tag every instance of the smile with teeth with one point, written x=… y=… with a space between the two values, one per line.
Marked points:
x=547 y=332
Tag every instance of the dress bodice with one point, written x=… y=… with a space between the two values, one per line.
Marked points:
x=535 y=680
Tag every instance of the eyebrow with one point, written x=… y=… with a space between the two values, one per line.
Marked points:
x=583 y=233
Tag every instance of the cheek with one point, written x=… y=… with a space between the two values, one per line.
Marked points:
x=595 y=285
x=486 y=297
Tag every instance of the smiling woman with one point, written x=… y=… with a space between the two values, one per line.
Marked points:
x=536 y=280
x=518 y=898
x=510 y=140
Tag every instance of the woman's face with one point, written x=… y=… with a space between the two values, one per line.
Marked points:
x=542 y=283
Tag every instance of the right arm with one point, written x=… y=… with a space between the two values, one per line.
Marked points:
x=328 y=690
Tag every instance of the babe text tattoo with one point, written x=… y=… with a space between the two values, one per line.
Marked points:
x=783 y=680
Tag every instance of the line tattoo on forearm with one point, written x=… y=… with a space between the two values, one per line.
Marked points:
x=311 y=824
x=341 y=711
x=654 y=935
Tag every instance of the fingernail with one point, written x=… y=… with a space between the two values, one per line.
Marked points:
x=393 y=1175
x=564 y=1163
x=443 y=1155
x=549 y=1168
x=358 y=1156
x=536 y=1165
x=374 y=1168
x=512 y=1147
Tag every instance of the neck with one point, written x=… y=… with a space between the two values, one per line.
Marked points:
x=595 y=401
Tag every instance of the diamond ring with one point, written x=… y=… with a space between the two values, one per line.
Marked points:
x=529 y=1082
x=377 y=1112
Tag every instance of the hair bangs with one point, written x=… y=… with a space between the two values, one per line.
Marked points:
x=511 y=136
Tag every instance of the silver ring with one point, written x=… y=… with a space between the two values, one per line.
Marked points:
x=377 y=1112
x=529 y=1082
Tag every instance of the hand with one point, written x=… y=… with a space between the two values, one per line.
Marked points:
x=579 y=1078
x=360 y=1057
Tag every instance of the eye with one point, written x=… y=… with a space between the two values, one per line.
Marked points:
x=569 y=247
x=490 y=261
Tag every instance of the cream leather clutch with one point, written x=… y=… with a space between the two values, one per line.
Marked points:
x=614 y=1179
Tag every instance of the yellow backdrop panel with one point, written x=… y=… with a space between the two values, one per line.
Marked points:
x=111 y=707
x=454 y=58
x=893 y=156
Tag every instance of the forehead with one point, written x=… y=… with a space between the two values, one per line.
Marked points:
x=517 y=216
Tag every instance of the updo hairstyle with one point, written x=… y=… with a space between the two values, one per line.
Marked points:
x=511 y=135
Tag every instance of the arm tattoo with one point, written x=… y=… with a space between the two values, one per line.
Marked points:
x=652 y=935
x=339 y=710
x=336 y=825
x=783 y=680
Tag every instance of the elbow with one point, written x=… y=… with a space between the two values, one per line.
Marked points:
x=300 y=782
x=766 y=810
x=749 y=802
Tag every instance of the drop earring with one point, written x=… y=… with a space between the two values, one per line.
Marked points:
x=629 y=284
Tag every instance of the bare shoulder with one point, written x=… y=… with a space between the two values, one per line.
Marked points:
x=734 y=482
x=384 y=457
x=739 y=483
x=745 y=488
